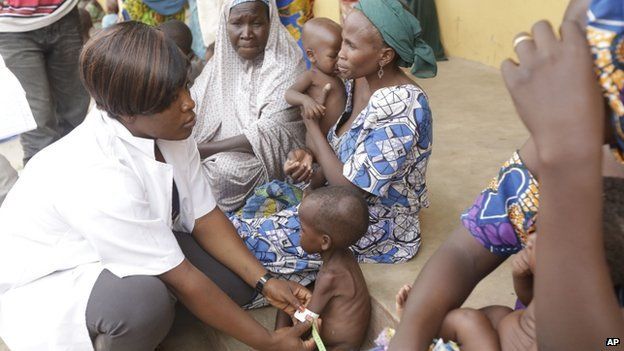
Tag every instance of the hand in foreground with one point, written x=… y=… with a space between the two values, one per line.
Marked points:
x=286 y=295
x=299 y=165
x=556 y=92
x=289 y=339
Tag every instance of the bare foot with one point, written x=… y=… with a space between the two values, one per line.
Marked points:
x=401 y=299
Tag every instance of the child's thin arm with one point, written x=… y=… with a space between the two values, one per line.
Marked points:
x=324 y=289
x=295 y=94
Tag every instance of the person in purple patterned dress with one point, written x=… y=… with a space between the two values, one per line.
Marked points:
x=502 y=217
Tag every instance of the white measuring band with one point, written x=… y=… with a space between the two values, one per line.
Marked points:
x=303 y=316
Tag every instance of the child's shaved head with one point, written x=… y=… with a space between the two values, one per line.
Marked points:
x=320 y=28
x=341 y=213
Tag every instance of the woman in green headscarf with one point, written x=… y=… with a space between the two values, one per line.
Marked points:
x=379 y=147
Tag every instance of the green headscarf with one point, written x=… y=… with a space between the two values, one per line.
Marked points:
x=401 y=30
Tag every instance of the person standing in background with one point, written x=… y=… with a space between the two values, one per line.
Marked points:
x=40 y=45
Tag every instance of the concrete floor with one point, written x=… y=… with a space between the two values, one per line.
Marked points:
x=475 y=130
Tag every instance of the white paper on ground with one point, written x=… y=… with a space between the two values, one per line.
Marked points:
x=15 y=114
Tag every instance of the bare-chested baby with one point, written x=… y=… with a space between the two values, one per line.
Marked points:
x=319 y=91
x=332 y=219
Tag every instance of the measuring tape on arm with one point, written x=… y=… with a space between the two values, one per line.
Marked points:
x=302 y=317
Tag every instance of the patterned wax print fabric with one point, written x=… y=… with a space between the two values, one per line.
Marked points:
x=503 y=215
x=270 y=198
x=605 y=34
x=293 y=15
x=384 y=153
x=137 y=10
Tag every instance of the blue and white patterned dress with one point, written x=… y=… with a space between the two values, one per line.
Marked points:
x=384 y=153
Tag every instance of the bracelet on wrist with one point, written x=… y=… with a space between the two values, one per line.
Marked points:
x=262 y=282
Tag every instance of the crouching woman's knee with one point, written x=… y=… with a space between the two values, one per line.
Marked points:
x=132 y=313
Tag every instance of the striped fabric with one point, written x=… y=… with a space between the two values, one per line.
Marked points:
x=28 y=8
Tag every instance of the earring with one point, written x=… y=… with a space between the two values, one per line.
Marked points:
x=380 y=73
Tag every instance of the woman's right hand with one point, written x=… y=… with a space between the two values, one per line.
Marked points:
x=549 y=71
x=298 y=166
x=289 y=338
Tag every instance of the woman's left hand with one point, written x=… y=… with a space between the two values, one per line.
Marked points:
x=286 y=295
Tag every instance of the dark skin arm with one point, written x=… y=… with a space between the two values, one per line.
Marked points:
x=324 y=290
x=296 y=96
x=237 y=143
x=325 y=156
x=299 y=163
x=461 y=260
x=571 y=269
x=216 y=234
x=204 y=299
x=213 y=307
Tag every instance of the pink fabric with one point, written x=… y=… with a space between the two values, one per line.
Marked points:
x=29 y=8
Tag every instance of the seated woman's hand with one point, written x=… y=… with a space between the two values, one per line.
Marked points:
x=551 y=71
x=298 y=166
x=286 y=295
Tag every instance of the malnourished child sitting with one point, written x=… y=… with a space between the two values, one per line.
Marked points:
x=319 y=91
x=332 y=219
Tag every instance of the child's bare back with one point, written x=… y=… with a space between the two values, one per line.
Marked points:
x=345 y=317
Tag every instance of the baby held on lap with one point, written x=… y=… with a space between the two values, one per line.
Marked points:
x=319 y=91
x=500 y=328
x=332 y=219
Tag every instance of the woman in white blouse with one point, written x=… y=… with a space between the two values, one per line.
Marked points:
x=93 y=235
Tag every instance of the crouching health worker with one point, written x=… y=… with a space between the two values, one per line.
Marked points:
x=94 y=241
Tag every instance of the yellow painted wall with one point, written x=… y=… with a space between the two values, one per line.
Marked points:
x=327 y=8
x=483 y=30
x=479 y=30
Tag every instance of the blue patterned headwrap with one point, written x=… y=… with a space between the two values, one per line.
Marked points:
x=238 y=2
x=402 y=32
x=605 y=34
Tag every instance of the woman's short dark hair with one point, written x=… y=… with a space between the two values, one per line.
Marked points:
x=132 y=69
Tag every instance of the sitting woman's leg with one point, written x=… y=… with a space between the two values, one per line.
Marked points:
x=134 y=313
x=233 y=176
x=228 y=281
